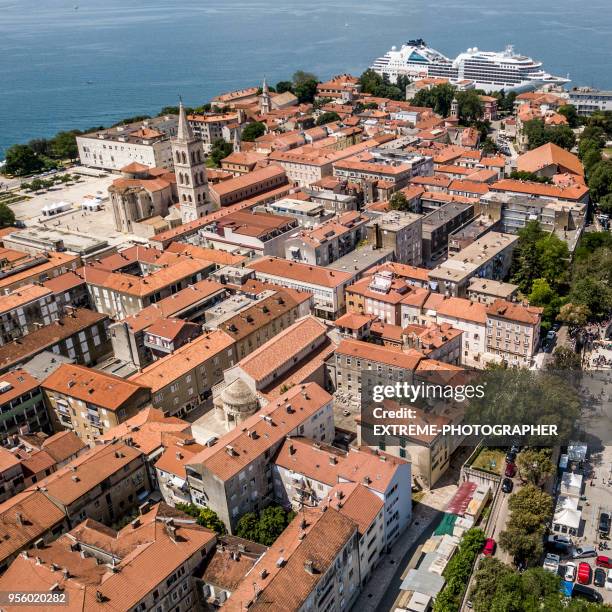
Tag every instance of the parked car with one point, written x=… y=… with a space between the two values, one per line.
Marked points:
x=603 y=561
x=559 y=539
x=507 y=485
x=551 y=563
x=489 y=547
x=599 y=577
x=604 y=523
x=608 y=584
x=587 y=593
x=570 y=571
x=583 y=552
x=510 y=457
x=510 y=470
x=584 y=573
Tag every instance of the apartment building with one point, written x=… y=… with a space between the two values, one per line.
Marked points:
x=24 y=310
x=147 y=565
x=308 y=214
x=90 y=402
x=356 y=365
x=326 y=285
x=266 y=366
x=243 y=162
x=212 y=126
x=31 y=457
x=549 y=160
x=23 y=269
x=167 y=335
x=574 y=191
x=248 y=185
x=390 y=169
x=127 y=290
x=145 y=142
x=249 y=232
x=189 y=304
x=487 y=291
x=82 y=336
x=68 y=289
x=329 y=241
x=103 y=484
x=235 y=475
x=512 y=212
x=400 y=231
x=313 y=565
x=513 y=332
x=307 y=472
x=262 y=321
x=384 y=296
x=21 y=406
x=488 y=257
x=181 y=381
x=588 y=100
x=437 y=225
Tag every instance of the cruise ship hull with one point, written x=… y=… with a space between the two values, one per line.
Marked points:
x=486 y=70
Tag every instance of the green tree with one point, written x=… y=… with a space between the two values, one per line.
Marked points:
x=605 y=204
x=471 y=108
x=328 y=117
x=300 y=76
x=570 y=113
x=564 y=358
x=591 y=158
x=306 y=91
x=553 y=259
x=253 y=131
x=525 y=257
x=534 y=465
x=372 y=83
x=539 y=134
x=523 y=175
x=220 y=150
x=439 y=98
x=574 y=314
x=247 y=527
x=204 y=517
x=398 y=201
x=21 y=160
x=489 y=147
x=595 y=294
x=283 y=86
x=272 y=522
x=7 y=216
x=64 y=146
x=600 y=180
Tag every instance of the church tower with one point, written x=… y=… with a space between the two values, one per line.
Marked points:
x=454 y=109
x=236 y=139
x=190 y=171
x=264 y=101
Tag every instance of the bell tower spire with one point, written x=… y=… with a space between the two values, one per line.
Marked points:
x=190 y=171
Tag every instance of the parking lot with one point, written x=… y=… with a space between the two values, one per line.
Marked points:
x=597 y=498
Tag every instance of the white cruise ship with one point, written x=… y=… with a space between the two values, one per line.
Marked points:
x=489 y=70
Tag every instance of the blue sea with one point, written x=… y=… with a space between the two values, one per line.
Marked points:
x=81 y=63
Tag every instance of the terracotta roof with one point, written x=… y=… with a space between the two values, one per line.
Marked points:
x=287 y=586
x=45 y=337
x=23 y=519
x=92 y=386
x=402 y=270
x=177 y=454
x=258 y=315
x=53 y=260
x=514 y=311
x=315 y=275
x=275 y=353
x=355 y=501
x=573 y=192
x=459 y=308
x=64 y=282
x=63 y=445
x=352 y=320
x=147 y=430
x=173 y=304
x=22 y=296
x=148 y=554
x=168 y=369
x=247 y=180
x=87 y=471
x=169 y=329
x=21 y=382
x=407 y=360
x=547 y=155
x=469 y=187
x=304 y=400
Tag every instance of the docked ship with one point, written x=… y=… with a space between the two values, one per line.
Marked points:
x=488 y=70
